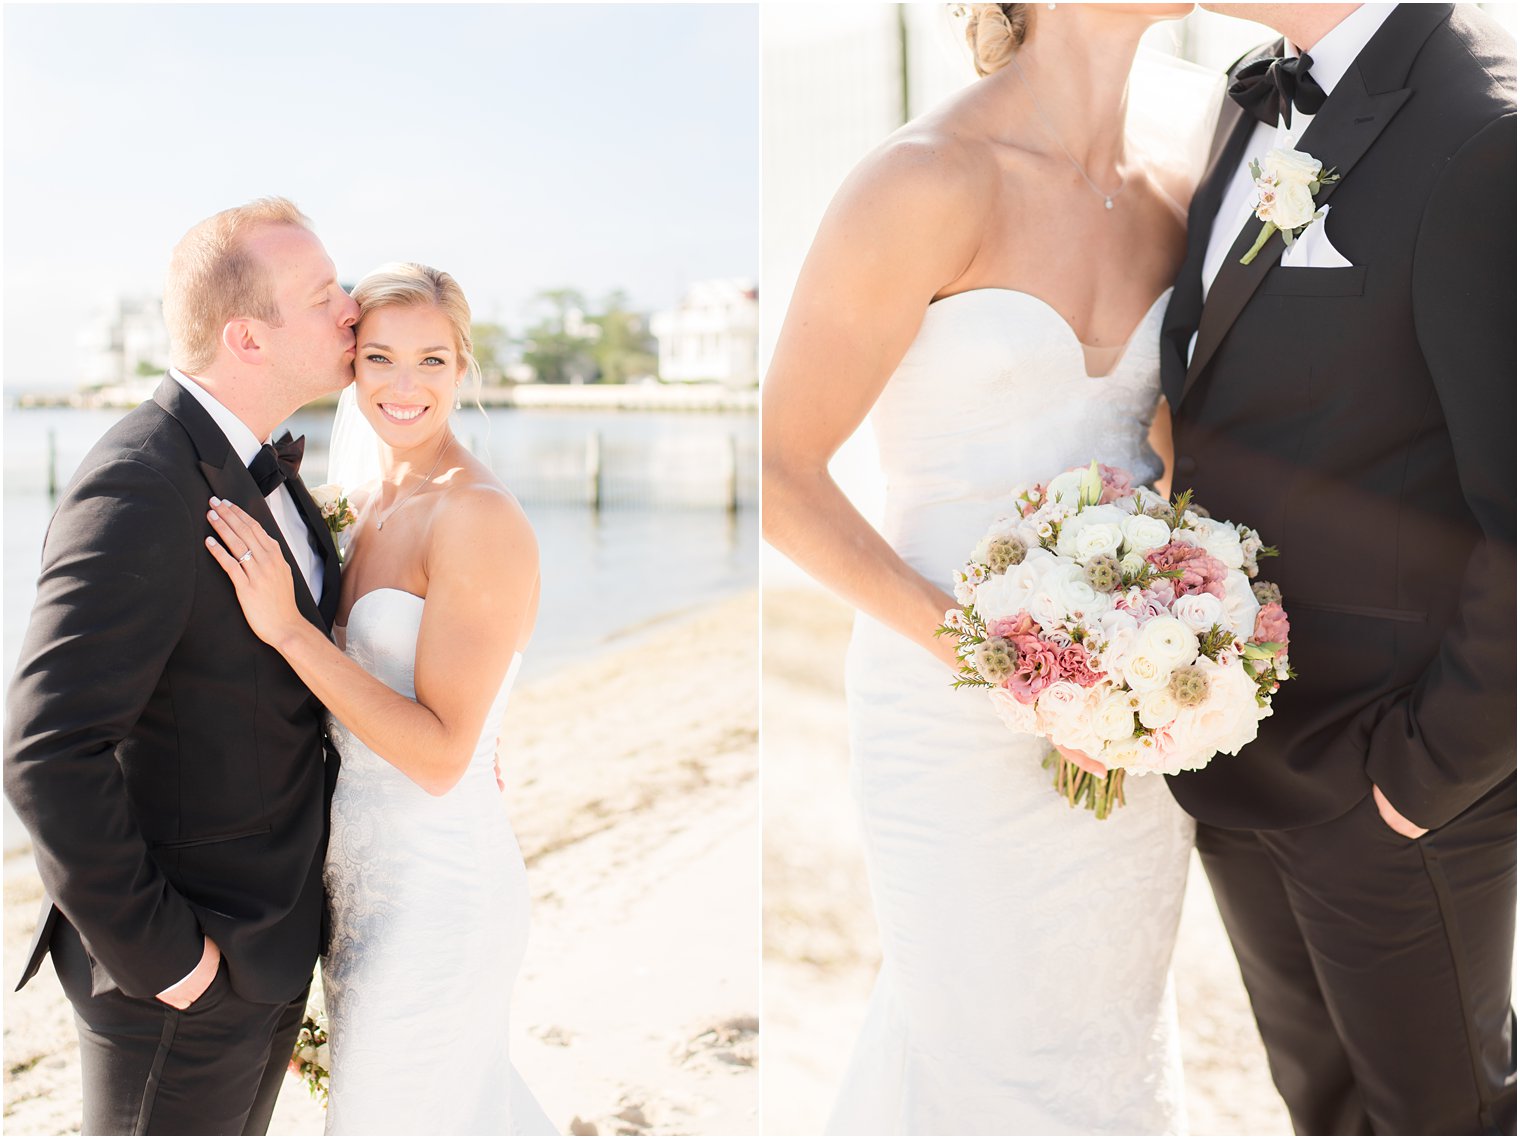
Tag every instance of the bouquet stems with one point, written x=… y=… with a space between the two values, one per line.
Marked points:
x=1081 y=788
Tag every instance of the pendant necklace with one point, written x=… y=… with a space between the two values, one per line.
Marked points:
x=1108 y=199
x=380 y=523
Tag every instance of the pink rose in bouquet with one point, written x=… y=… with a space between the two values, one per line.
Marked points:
x=1109 y=621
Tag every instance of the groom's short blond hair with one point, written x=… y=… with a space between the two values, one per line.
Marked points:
x=213 y=279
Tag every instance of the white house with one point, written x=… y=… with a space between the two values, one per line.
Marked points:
x=712 y=335
x=127 y=346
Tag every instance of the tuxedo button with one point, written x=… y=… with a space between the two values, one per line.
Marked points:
x=1186 y=465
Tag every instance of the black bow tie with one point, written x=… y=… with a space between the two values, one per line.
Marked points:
x=277 y=462
x=1269 y=88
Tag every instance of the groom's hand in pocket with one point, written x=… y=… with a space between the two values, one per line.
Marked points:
x=186 y=992
x=1391 y=816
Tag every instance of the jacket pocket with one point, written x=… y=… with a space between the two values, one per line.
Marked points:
x=1414 y=615
x=1301 y=281
x=204 y=840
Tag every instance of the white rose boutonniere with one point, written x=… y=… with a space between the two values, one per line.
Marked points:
x=1286 y=182
x=336 y=511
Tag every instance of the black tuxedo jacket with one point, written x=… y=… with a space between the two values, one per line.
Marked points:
x=170 y=767
x=1362 y=419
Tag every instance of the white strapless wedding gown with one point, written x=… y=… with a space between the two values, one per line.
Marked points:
x=429 y=901
x=1025 y=983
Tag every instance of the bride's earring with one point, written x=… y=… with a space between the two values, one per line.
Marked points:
x=457 y=404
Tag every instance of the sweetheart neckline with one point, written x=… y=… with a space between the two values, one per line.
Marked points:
x=371 y=593
x=389 y=589
x=1129 y=342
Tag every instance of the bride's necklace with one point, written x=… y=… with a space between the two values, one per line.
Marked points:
x=1108 y=199
x=380 y=522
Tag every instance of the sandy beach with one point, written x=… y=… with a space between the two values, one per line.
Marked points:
x=632 y=788
x=821 y=949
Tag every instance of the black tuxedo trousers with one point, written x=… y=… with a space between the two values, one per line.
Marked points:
x=1362 y=418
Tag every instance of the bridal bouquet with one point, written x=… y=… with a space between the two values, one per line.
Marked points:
x=1102 y=617
x=309 y=1060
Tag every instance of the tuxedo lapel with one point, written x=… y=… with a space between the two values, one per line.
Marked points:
x=1186 y=306
x=1362 y=105
x=229 y=479
x=322 y=542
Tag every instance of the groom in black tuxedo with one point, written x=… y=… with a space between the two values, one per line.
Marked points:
x=1354 y=400
x=171 y=768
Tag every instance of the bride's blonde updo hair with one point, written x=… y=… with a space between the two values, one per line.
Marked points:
x=995 y=32
x=406 y=283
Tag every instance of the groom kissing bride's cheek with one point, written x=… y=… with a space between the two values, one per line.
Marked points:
x=170 y=767
x=216 y=791
x=1354 y=395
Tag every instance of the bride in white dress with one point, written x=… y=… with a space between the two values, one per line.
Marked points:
x=425 y=882
x=989 y=284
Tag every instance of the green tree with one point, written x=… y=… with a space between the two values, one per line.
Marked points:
x=492 y=346
x=560 y=343
x=625 y=349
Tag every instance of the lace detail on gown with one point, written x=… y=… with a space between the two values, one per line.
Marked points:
x=429 y=901
x=1025 y=984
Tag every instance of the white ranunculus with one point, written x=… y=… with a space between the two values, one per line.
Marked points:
x=1168 y=642
x=1076 y=598
x=1005 y=594
x=1228 y=719
x=1128 y=754
x=1158 y=708
x=1143 y=672
x=1221 y=540
x=1116 y=631
x=1288 y=167
x=1142 y=534
x=1059 y=703
x=1016 y=717
x=1045 y=604
x=1240 y=605
x=1066 y=488
x=1094 y=539
x=1112 y=717
x=1200 y=612
x=1132 y=563
x=1103 y=522
x=1067 y=720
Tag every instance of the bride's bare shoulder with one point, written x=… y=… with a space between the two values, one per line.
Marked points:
x=930 y=164
x=478 y=513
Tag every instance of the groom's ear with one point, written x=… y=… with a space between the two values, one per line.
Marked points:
x=241 y=338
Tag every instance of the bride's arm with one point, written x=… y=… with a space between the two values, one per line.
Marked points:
x=481 y=563
x=904 y=226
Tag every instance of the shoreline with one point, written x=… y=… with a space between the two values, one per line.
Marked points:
x=638 y=818
x=675 y=396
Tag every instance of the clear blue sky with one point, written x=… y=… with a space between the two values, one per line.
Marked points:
x=520 y=147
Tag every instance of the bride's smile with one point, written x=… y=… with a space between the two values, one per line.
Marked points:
x=407 y=371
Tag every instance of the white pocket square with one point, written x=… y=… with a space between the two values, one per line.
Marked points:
x=1313 y=250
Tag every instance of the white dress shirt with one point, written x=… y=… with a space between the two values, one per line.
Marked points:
x=1333 y=56
x=281 y=503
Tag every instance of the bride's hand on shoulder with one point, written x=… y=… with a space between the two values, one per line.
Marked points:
x=258 y=571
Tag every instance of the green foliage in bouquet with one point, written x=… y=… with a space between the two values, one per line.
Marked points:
x=309 y=1057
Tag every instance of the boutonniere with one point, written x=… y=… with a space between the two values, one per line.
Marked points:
x=336 y=512
x=1286 y=182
